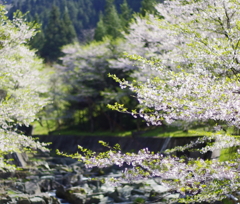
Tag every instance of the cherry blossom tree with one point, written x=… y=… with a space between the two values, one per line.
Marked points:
x=192 y=47
x=22 y=85
x=195 y=66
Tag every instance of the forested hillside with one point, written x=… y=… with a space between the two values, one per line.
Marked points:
x=84 y=14
x=65 y=21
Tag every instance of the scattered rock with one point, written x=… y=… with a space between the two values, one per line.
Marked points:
x=24 y=201
x=37 y=200
x=42 y=198
x=76 y=198
x=93 y=199
x=31 y=188
x=116 y=197
x=156 y=196
x=137 y=192
x=73 y=183
x=4 y=199
x=60 y=192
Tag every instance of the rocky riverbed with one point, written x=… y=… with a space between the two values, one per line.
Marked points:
x=48 y=179
x=55 y=180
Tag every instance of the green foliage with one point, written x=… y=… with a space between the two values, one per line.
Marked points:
x=68 y=28
x=22 y=86
x=196 y=79
x=163 y=131
x=148 y=7
x=83 y=15
x=77 y=131
x=58 y=33
x=88 y=89
x=100 y=30
x=126 y=15
x=37 y=41
x=112 y=22
x=229 y=154
x=139 y=201
x=109 y=23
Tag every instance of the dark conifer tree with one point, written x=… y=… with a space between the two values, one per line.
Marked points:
x=100 y=30
x=68 y=28
x=37 y=41
x=148 y=6
x=110 y=23
x=126 y=15
x=113 y=23
x=54 y=33
x=108 y=6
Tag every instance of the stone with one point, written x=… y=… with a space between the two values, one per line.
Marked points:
x=4 y=200
x=76 y=179
x=6 y=175
x=125 y=191
x=94 y=185
x=32 y=188
x=37 y=200
x=68 y=179
x=76 y=190
x=42 y=198
x=74 y=195
x=115 y=196
x=137 y=192
x=105 y=200
x=18 y=159
x=48 y=184
x=33 y=178
x=76 y=198
x=94 y=199
x=59 y=178
x=20 y=186
x=155 y=196
x=60 y=192
x=63 y=160
x=51 y=200
x=24 y=201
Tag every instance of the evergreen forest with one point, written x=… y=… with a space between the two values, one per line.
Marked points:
x=67 y=20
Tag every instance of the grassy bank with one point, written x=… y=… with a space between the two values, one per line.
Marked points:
x=169 y=131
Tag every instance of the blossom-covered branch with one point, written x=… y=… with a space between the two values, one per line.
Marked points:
x=22 y=85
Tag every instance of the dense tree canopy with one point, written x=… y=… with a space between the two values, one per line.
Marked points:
x=111 y=23
x=189 y=56
x=78 y=20
x=58 y=33
x=84 y=14
x=88 y=89
x=185 y=53
x=21 y=85
x=186 y=65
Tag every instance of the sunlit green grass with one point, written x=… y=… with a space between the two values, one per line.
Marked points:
x=95 y=133
x=169 y=131
x=44 y=128
x=229 y=154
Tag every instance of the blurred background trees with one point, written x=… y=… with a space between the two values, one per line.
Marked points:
x=84 y=41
